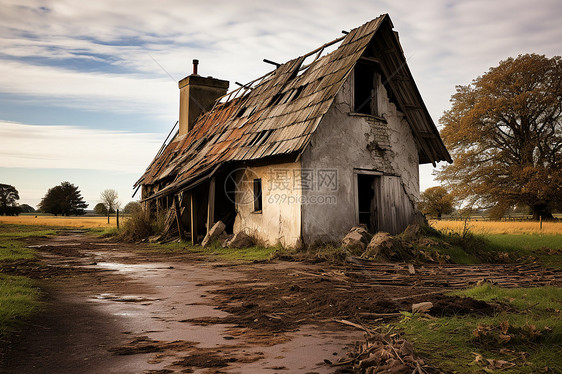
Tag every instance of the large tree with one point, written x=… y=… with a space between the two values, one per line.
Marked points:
x=8 y=197
x=504 y=133
x=436 y=201
x=64 y=199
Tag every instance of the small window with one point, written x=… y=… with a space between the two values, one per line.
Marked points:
x=257 y=196
x=366 y=82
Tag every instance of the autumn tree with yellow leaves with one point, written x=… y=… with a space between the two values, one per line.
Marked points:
x=505 y=136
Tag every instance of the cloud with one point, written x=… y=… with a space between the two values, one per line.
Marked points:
x=67 y=147
x=448 y=43
x=98 y=56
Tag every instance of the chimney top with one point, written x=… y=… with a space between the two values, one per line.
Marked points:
x=195 y=63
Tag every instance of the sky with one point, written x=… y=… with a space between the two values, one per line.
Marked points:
x=88 y=89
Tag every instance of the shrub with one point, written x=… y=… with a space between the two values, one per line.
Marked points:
x=139 y=226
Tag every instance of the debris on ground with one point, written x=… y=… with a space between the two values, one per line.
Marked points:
x=410 y=245
x=423 y=307
x=506 y=334
x=385 y=247
x=215 y=233
x=143 y=344
x=239 y=240
x=382 y=353
x=357 y=239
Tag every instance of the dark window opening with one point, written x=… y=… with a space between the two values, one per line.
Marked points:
x=366 y=187
x=257 y=195
x=366 y=82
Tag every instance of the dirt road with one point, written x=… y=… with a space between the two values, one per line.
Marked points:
x=122 y=311
x=118 y=308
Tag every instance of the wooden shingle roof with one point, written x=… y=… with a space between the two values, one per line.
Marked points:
x=278 y=113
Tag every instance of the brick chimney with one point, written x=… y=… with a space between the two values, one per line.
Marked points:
x=197 y=95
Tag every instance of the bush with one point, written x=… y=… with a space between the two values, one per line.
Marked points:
x=139 y=226
x=132 y=207
x=100 y=209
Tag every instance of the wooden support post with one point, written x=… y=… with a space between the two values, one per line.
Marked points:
x=211 y=205
x=117 y=219
x=540 y=220
x=178 y=217
x=193 y=219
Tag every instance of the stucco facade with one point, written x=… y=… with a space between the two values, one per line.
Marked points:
x=279 y=221
x=351 y=143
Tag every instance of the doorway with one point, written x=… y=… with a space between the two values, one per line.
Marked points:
x=367 y=200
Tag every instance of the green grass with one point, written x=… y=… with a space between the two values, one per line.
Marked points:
x=19 y=296
x=250 y=254
x=12 y=248
x=540 y=299
x=535 y=245
x=19 y=299
x=488 y=248
x=104 y=233
x=449 y=342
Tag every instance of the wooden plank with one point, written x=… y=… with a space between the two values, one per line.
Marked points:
x=193 y=219
x=211 y=205
x=178 y=217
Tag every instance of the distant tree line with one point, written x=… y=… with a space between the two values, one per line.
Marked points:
x=8 y=202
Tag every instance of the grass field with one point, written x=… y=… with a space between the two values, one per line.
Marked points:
x=19 y=296
x=524 y=338
x=58 y=221
x=493 y=227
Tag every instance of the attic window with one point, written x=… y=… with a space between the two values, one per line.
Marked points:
x=366 y=80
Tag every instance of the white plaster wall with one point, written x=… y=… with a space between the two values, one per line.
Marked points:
x=280 y=219
x=343 y=142
x=403 y=156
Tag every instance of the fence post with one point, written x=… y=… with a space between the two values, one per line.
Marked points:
x=540 y=222
x=117 y=219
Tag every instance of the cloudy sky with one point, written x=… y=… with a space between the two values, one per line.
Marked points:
x=88 y=90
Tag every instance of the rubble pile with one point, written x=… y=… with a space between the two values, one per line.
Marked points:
x=382 y=353
x=411 y=245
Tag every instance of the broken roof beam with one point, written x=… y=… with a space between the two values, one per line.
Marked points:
x=271 y=62
x=326 y=45
x=243 y=85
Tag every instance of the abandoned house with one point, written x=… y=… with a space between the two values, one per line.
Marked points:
x=320 y=144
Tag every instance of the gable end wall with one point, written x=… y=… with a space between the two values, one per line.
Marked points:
x=345 y=142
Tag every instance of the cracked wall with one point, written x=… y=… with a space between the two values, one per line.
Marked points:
x=345 y=142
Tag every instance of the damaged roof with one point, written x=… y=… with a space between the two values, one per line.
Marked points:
x=278 y=113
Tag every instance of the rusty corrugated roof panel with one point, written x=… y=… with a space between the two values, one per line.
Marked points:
x=273 y=115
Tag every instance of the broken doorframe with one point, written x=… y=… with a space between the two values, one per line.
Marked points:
x=356 y=173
